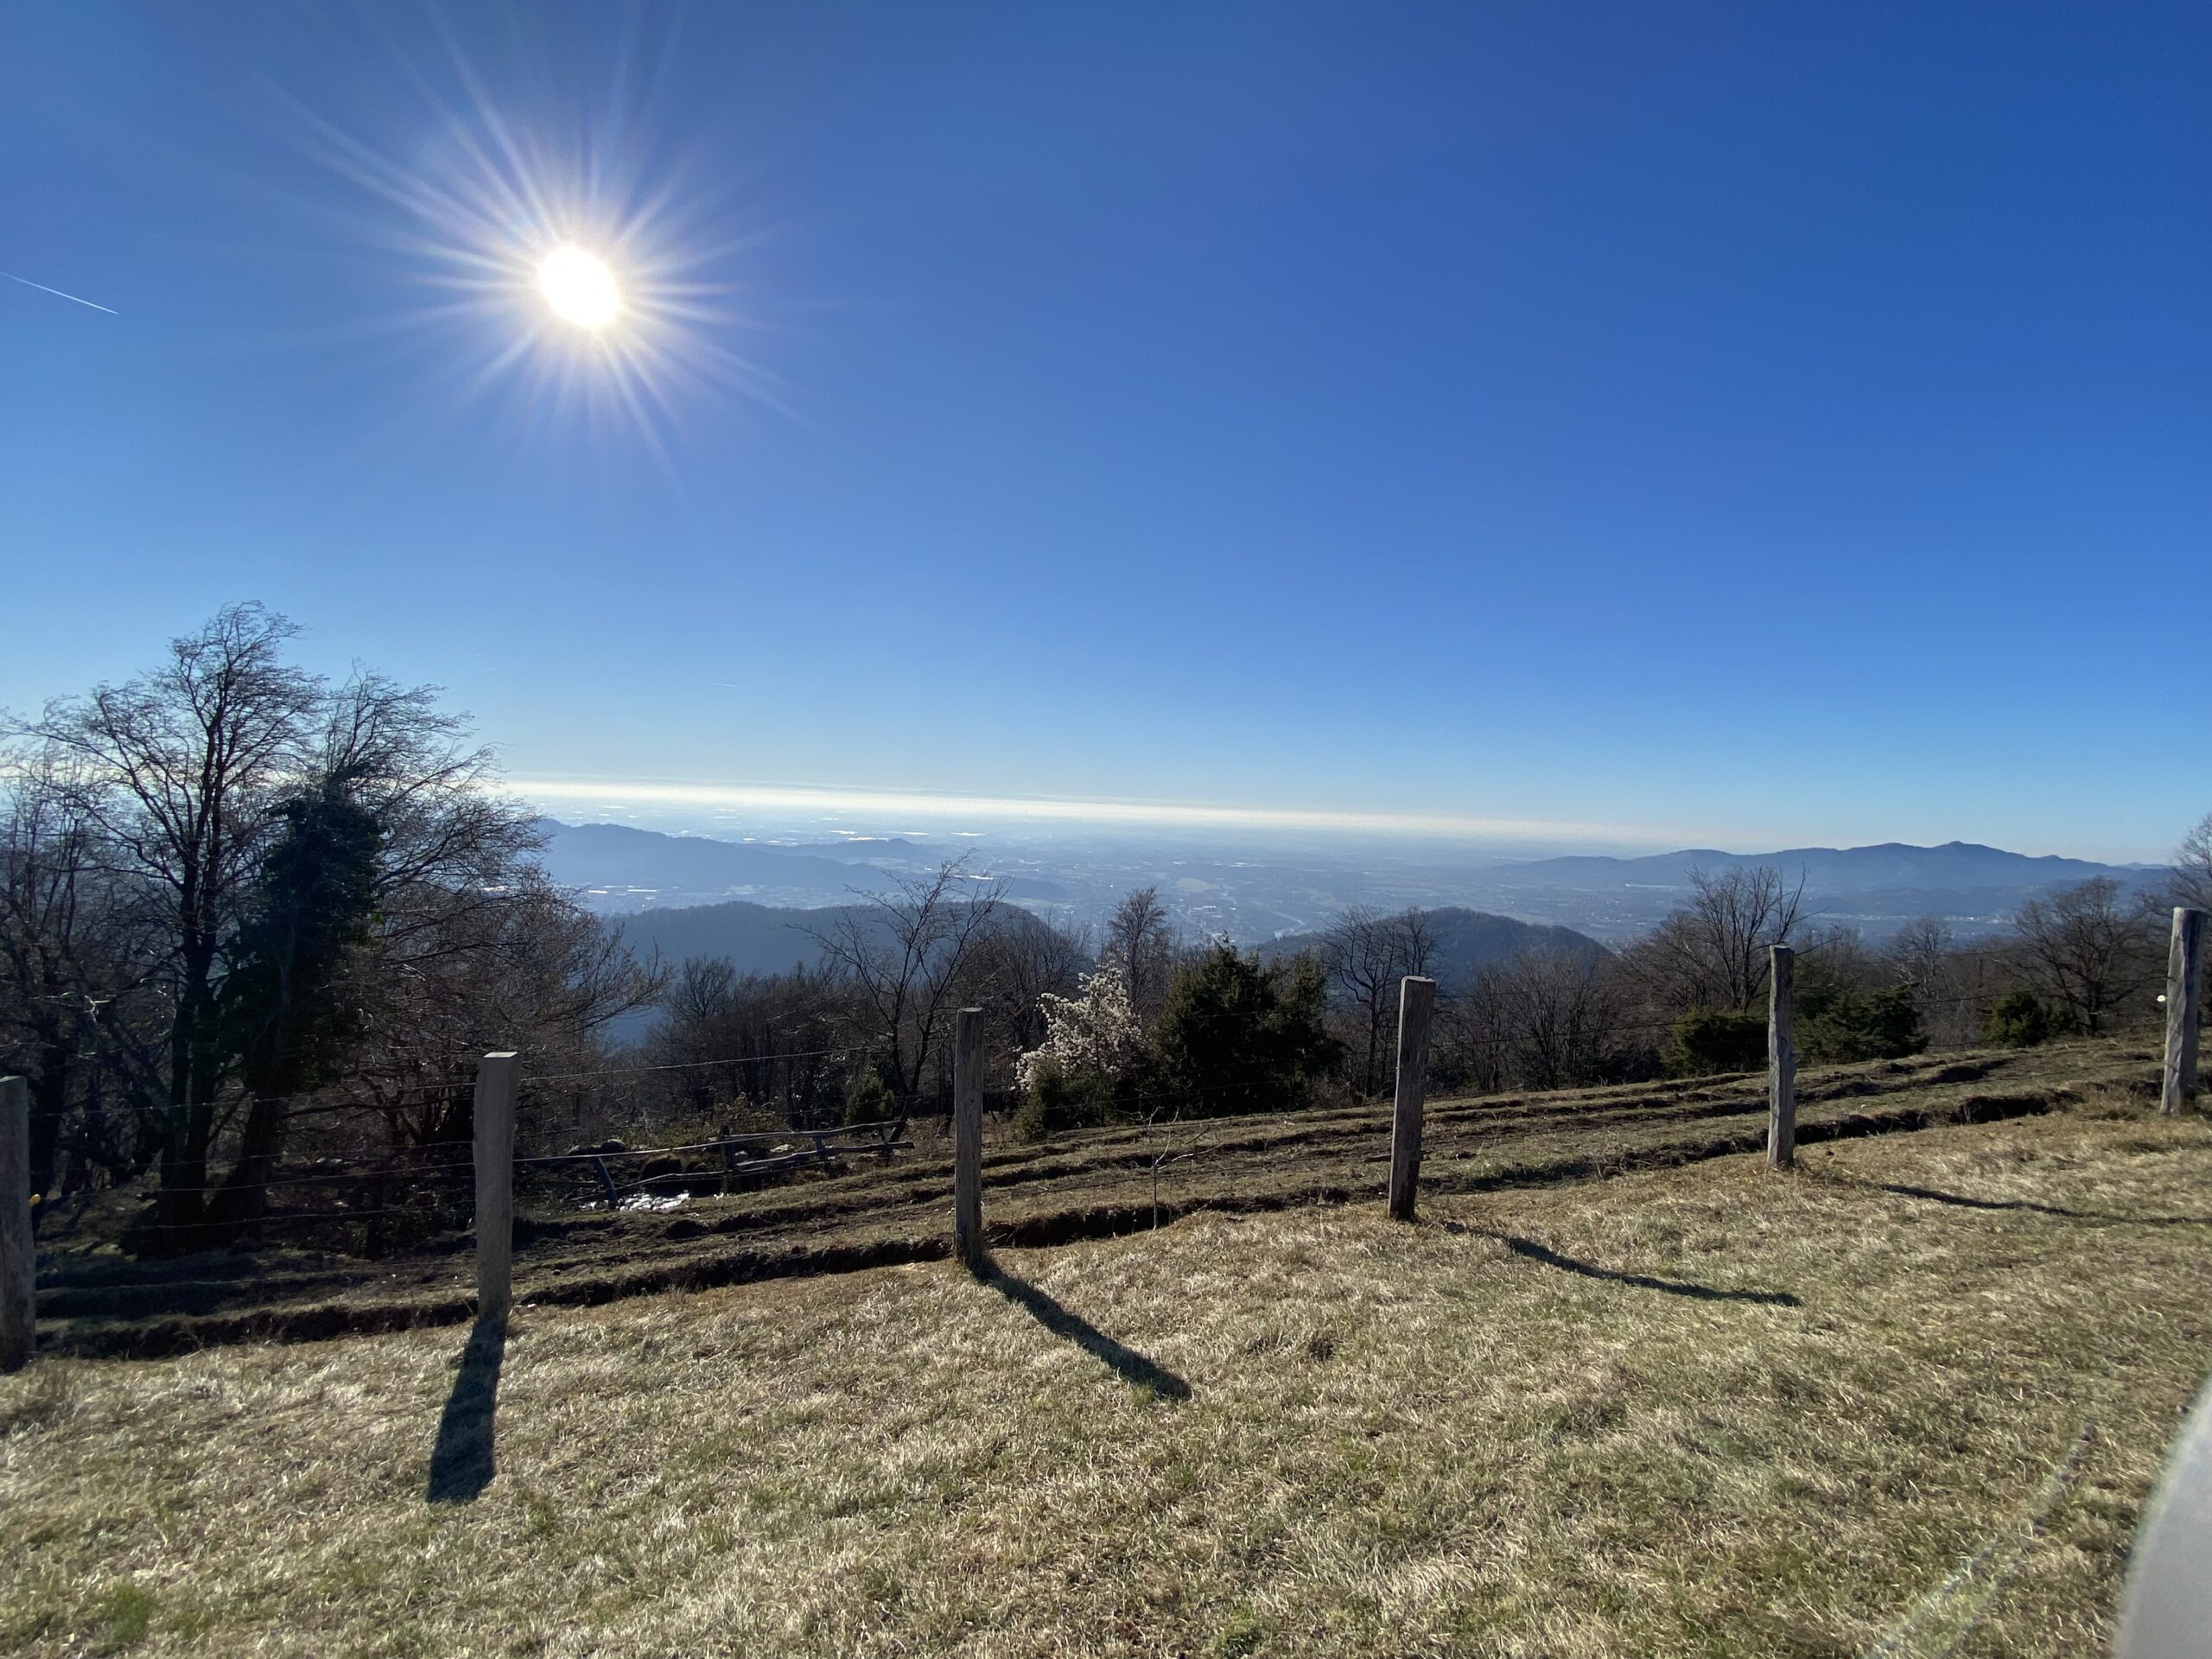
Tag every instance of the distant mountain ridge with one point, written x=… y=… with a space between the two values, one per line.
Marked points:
x=624 y=868
x=617 y=870
x=1890 y=865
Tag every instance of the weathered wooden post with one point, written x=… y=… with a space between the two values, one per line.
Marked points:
x=1416 y=998
x=1781 y=1059
x=497 y=1078
x=18 y=1257
x=967 y=1140
x=2184 y=1003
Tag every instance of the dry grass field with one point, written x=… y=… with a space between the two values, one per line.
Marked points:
x=1907 y=1401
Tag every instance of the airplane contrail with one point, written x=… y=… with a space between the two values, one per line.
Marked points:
x=43 y=288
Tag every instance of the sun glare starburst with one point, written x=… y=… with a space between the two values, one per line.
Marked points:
x=572 y=270
x=580 y=287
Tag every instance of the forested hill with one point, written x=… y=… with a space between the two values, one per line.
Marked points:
x=1469 y=939
x=760 y=938
x=763 y=939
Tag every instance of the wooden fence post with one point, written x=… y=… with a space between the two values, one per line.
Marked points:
x=1781 y=1059
x=18 y=1256
x=1416 y=998
x=967 y=1140
x=2184 y=1002
x=497 y=1078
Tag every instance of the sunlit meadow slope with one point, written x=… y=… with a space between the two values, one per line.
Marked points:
x=1706 y=1409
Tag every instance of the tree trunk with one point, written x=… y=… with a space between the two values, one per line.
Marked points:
x=244 y=1193
x=49 y=1100
x=191 y=1119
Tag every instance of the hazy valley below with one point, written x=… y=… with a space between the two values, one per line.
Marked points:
x=1265 y=890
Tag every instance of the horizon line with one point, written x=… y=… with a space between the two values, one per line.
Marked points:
x=1063 y=809
x=830 y=800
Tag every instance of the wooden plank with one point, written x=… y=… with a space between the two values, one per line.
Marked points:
x=18 y=1254
x=1781 y=1058
x=2184 y=1007
x=497 y=1078
x=1416 y=1002
x=967 y=1139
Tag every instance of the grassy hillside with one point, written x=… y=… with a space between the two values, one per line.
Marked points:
x=1084 y=1186
x=1693 y=1410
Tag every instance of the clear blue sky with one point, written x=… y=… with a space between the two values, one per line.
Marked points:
x=1770 y=422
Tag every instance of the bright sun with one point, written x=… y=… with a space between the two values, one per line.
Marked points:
x=580 y=287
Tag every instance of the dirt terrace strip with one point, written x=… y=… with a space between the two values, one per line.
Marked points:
x=1093 y=1184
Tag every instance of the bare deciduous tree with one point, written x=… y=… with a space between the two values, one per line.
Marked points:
x=1140 y=947
x=1951 y=983
x=176 y=786
x=1712 y=953
x=1465 y=1054
x=1554 y=1018
x=176 y=772
x=65 y=962
x=1018 y=964
x=2092 y=947
x=532 y=972
x=1918 y=952
x=1366 y=956
x=768 y=1040
x=449 y=851
x=905 y=954
x=2192 y=877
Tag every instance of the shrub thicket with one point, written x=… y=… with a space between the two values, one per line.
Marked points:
x=868 y=1099
x=1063 y=1097
x=1708 y=1040
x=1241 y=1035
x=1837 y=1024
x=2020 y=1019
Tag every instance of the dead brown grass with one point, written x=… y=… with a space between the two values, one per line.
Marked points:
x=1696 y=1410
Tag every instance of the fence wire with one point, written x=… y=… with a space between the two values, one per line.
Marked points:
x=727 y=1152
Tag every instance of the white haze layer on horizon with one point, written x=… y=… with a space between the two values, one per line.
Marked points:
x=827 y=813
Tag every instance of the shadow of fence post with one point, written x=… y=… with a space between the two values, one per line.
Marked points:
x=461 y=1462
x=1134 y=1368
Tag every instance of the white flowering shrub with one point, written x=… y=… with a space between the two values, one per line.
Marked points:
x=1094 y=1034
